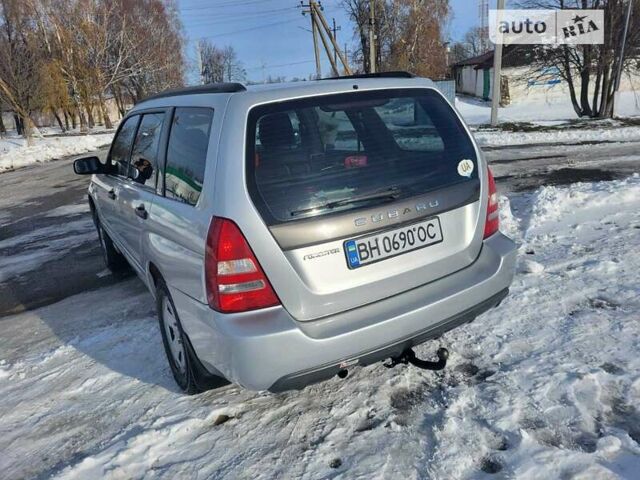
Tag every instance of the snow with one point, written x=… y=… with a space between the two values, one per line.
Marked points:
x=545 y=386
x=559 y=118
x=26 y=252
x=554 y=111
x=14 y=152
x=69 y=210
x=570 y=136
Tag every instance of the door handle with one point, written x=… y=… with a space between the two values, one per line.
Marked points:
x=111 y=194
x=141 y=211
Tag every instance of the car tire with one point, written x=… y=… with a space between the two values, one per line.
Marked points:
x=113 y=259
x=188 y=372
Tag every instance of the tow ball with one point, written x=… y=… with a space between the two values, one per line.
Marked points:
x=409 y=356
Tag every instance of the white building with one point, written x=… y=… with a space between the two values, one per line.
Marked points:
x=520 y=83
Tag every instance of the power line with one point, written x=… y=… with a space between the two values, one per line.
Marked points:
x=280 y=65
x=242 y=30
x=240 y=14
x=225 y=5
x=219 y=22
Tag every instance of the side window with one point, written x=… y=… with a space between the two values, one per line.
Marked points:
x=122 y=145
x=187 y=153
x=144 y=157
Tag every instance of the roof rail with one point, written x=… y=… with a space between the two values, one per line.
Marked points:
x=395 y=74
x=208 y=88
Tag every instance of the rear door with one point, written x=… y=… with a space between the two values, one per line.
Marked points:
x=366 y=194
x=179 y=218
x=138 y=191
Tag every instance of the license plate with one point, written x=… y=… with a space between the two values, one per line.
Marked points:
x=373 y=248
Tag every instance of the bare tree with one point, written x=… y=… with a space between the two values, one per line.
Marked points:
x=590 y=70
x=233 y=69
x=20 y=63
x=385 y=29
x=418 y=45
x=278 y=79
x=67 y=57
x=55 y=95
x=473 y=40
x=157 y=61
x=219 y=64
x=408 y=34
x=211 y=61
x=470 y=46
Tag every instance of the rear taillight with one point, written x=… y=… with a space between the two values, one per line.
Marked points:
x=492 y=224
x=234 y=279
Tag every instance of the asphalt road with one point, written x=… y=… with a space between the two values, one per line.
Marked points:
x=49 y=249
x=28 y=198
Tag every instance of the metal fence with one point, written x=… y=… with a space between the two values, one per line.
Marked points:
x=447 y=88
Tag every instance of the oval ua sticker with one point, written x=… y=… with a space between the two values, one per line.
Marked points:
x=465 y=168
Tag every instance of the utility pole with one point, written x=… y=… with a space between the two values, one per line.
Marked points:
x=199 y=55
x=263 y=67
x=325 y=25
x=334 y=65
x=497 y=70
x=483 y=13
x=321 y=27
x=335 y=39
x=372 y=37
x=616 y=95
x=314 y=28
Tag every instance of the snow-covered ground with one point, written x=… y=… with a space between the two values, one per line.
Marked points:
x=15 y=153
x=557 y=115
x=45 y=243
x=545 y=386
x=544 y=112
x=490 y=138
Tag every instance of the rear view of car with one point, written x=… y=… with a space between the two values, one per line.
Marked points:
x=368 y=221
x=375 y=177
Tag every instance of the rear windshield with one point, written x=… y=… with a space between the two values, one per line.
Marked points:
x=329 y=154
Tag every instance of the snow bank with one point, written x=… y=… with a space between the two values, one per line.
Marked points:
x=14 y=152
x=562 y=387
x=572 y=136
x=545 y=386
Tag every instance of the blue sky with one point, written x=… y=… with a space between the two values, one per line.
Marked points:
x=272 y=37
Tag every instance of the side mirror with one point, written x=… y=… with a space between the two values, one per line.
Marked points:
x=88 y=166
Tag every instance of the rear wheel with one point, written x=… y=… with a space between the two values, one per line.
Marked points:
x=113 y=259
x=188 y=372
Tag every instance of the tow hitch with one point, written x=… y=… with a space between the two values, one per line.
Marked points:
x=409 y=356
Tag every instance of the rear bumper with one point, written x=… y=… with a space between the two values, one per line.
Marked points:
x=299 y=380
x=268 y=349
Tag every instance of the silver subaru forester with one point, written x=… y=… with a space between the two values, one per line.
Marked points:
x=292 y=231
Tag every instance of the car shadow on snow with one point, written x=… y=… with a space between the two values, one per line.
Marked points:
x=116 y=327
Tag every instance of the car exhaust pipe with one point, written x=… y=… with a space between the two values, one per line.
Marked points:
x=343 y=373
x=409 y=356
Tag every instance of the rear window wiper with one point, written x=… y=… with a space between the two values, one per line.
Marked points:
x=391 y=193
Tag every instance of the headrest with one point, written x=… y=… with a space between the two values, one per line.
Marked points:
x=275 y=130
